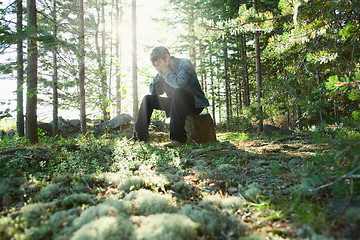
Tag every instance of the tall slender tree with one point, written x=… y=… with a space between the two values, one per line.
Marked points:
x=134 y=61
x=245 y=72
x=258 y=75
x=32 y=77
x=118 y=56
x=82 y=67
x=55 y=73
x=104 y=87
x=20 y=70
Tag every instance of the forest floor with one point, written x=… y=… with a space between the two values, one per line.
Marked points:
x=237 y=188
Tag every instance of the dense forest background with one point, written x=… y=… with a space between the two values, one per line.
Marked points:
x=292 y=63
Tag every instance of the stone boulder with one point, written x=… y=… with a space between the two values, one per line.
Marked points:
x=270 y=130
x=68 y=128
x=46 y=128
x=121 y=121
x=200 y=128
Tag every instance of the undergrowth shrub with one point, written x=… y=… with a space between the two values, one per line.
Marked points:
x=167 y=226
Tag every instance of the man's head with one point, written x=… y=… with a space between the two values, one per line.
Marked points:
x=161 y=59
x=159 y=53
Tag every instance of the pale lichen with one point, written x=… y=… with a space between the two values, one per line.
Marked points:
x=145 y=202
x=167 y=226
x=106 y=228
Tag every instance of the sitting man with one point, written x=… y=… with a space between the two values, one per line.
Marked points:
x=177 y=78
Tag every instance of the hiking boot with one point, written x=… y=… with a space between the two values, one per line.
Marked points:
x=173 y=143
x=134 y=139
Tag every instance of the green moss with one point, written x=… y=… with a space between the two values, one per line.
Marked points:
x=78 y=199
x=167 y=226
x=107 y=208
x=145 y=202
x=133 y=183
x=107 y=228
x=50 y=192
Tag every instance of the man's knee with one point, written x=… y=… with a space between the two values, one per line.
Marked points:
x=148 y=100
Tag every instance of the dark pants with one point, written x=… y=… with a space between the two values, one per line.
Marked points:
x=179 y=105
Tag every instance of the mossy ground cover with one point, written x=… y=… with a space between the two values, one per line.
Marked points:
x=242 y=187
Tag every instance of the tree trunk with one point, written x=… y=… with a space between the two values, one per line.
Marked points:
x=104 y=88
x=20 y=71
x=227 y=88
x=55 y=76
x=134 y=61
x=212 y=87
x=246 y=75
x=299 y=111
x=118 y=57
x=219 y=100
x=82 y=68
x=31 y=98
x=239 y=99
x=192 y=47
x=258 y=76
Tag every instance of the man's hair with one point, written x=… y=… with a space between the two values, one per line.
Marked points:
x=159 y=52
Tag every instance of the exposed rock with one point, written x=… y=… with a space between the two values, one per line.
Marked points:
x=233 y=190
x=270 y=130
x=121 y=121
x=200 y=128
x=47 y=128
x=75 y=123
x=7 y=133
